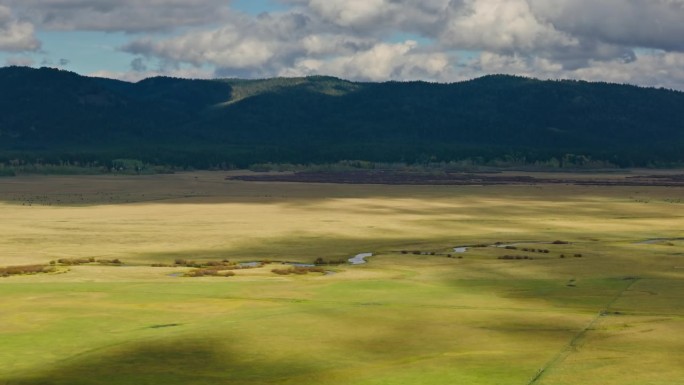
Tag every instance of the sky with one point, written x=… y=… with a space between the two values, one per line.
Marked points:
x=621 y=41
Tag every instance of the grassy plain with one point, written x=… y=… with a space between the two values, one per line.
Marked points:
x=613 y=316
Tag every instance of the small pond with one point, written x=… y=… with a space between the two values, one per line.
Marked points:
x=360 y=259
x=249 y=264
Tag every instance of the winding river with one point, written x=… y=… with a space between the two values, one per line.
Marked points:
x=360 y=259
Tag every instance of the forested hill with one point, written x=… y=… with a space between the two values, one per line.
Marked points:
x=55 y=115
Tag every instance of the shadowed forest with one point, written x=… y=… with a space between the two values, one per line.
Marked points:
x=58 y=118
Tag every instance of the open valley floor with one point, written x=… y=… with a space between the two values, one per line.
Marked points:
x=199 y=278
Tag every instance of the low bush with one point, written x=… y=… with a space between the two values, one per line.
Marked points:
x=517 y=257
x=210 y=272
x=115 y=262
x=298 y=270
x=224 y=264
x=25 y=270
x=544 y=251
x=75 y=261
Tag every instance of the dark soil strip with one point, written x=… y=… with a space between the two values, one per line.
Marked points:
x=458 y=179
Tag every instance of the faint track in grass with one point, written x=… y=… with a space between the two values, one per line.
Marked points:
x=577 y=338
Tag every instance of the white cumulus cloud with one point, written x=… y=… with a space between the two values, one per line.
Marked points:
x=400 y=61
x=16 y=35
x=500 y=25
x=636 y=41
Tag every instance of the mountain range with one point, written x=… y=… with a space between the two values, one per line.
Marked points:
x=53 y=116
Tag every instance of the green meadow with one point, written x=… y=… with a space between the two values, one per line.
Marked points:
x=603 y=306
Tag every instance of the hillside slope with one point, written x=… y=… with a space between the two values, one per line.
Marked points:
x=51 y=114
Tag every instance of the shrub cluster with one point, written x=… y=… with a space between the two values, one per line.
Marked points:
x=210 y=272
x=115 y=261
x=514 y=257
x=576 y=255
x=26 y=269
x=221 y=265
x=73 y=261
x=545 y=251
x=418 y=252
x=83 y=261
x=214 y=268
x=298 y=270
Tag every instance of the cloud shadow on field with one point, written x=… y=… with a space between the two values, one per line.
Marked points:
x=206 y=361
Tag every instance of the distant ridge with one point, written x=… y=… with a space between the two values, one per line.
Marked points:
x=57 y=116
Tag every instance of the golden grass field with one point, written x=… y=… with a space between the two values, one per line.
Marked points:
x=613 y=316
